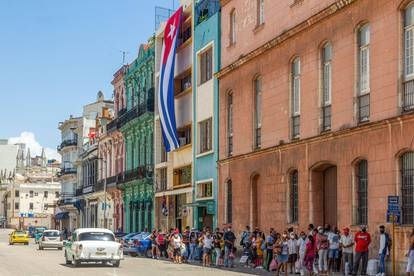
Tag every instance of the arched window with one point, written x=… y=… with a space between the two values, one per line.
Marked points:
x=294 y=197
x=408 y=93
x=258 y=112
x=230 y=123
x=362 y=190
x=229 y=202
x=295 y=96
x=260 y=12
x=233 y=27
x=407 y=190
x=363 y=73
x=326 y=86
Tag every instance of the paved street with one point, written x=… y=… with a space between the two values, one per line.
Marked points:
x=21 y=260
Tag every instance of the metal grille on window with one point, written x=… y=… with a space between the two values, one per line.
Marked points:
x=229 y=201
x=408 y=86
x=230 y=124
x=363 y=100
x=295 y=126
x=327 y=86
x=407 y=189
x=362 y=178
x=296 y=98
x=294 y=197
x=258 y=112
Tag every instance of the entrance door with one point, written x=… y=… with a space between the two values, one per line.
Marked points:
x=205 y=220
x=330 y=208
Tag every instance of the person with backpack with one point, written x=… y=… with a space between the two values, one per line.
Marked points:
x=245 y=236
x=385 y=245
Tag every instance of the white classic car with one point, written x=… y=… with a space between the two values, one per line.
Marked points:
x=93 y=245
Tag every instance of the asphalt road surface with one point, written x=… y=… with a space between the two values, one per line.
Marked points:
x=23 y=260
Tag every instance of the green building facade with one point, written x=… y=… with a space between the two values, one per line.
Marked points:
x=136 y=125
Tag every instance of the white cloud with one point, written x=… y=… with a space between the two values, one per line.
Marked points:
x=29 y=139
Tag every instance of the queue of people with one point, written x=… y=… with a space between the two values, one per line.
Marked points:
x=316 y=251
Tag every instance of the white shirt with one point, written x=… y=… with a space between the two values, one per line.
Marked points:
x=345 y=241
x=177 y=242
x=333 y=240
x=302 y=246
x=207 y=242
x=382 y=244
x=292 y=244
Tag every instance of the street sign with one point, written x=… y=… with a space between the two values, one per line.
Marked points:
x=393 y=203
x=393 y=217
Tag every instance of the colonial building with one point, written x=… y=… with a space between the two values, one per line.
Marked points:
x=316 y=114
x=118 y=145
x=205 y=115
x=136 y=126
x=174 y=170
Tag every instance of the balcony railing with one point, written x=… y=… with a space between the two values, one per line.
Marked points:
x=138 y=173
x=112 y=126
x=67 y=143
x=137 y=111
x=110 y=182
x=205 y=9
x=65 y=171
x=79 y=191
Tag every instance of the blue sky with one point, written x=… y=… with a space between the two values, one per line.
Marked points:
x=55 y=55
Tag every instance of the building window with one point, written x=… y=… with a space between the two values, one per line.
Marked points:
x=163 y=152
x=206 y=66
x=362 y=181
x=295 y=98
x=363 y=74
x=260 y=12
x=326 y=86
x=184 y=135
x=31 y=205
x=36 y=194
x=229 y=202
x=205 y=128
x=408 y=93
x=407 y=189
x=31 y=193
x=204 y=190
x=45 y=194
x=162 y=180
x=293 y=197
x=258 y=112
x=233 y=27
x=182 y=176
x=16 y=193
x=56 y=194
x=230 y=124
x=16 y=205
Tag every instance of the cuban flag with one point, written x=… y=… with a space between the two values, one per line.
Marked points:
x=166 y=108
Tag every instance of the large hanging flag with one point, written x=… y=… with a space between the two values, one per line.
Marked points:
x=166 y=108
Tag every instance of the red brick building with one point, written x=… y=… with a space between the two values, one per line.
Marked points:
x=316 y=104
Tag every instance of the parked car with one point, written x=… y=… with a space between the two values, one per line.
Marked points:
x=38 y=233
x=19 y=236
x=126 y=237
x=51 y=239
x=93 y=245
x=139 y=244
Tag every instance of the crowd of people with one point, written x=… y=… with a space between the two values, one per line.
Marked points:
x=316 y=251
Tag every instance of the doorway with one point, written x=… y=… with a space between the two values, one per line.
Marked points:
x=204 y=219
x=324 y=195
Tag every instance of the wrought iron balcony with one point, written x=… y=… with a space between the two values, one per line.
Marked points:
x=205 y=9
x=65 y=171
x=112 y=126
x=140 y=172
x=67 y=143
x=79 y=191
x=137 y=111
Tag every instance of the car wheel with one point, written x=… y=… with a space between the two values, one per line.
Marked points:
x=133 y=254
x=10 y=243
x=26 y=243
x=116 y=263
x=75 y=263
x=66 y=259
x=148 y=253
x=40 y=248
x=59 y=248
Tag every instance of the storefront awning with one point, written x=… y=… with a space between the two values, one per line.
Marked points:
x=62 y=215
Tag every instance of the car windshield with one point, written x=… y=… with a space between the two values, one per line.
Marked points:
x=51 y=234
x=96 y=236
x=20 y=233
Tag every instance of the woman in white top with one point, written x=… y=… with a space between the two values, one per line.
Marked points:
x=177 y=242
x=207 y=246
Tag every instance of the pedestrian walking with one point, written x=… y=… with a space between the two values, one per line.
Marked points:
x=301 y=244
x=229 y=239
x=310 y=253
x=410 y=255
x=347 y=244
x=322 y=244
x=384 y=247
x=362 y=241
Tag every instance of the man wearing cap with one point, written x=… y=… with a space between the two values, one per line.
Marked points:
x=362 y=240
x=347 y=244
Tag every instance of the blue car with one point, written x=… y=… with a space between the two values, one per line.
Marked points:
x=124 y=239
x=139 y=244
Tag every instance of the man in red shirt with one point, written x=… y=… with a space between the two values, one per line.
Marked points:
x=362 y=240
